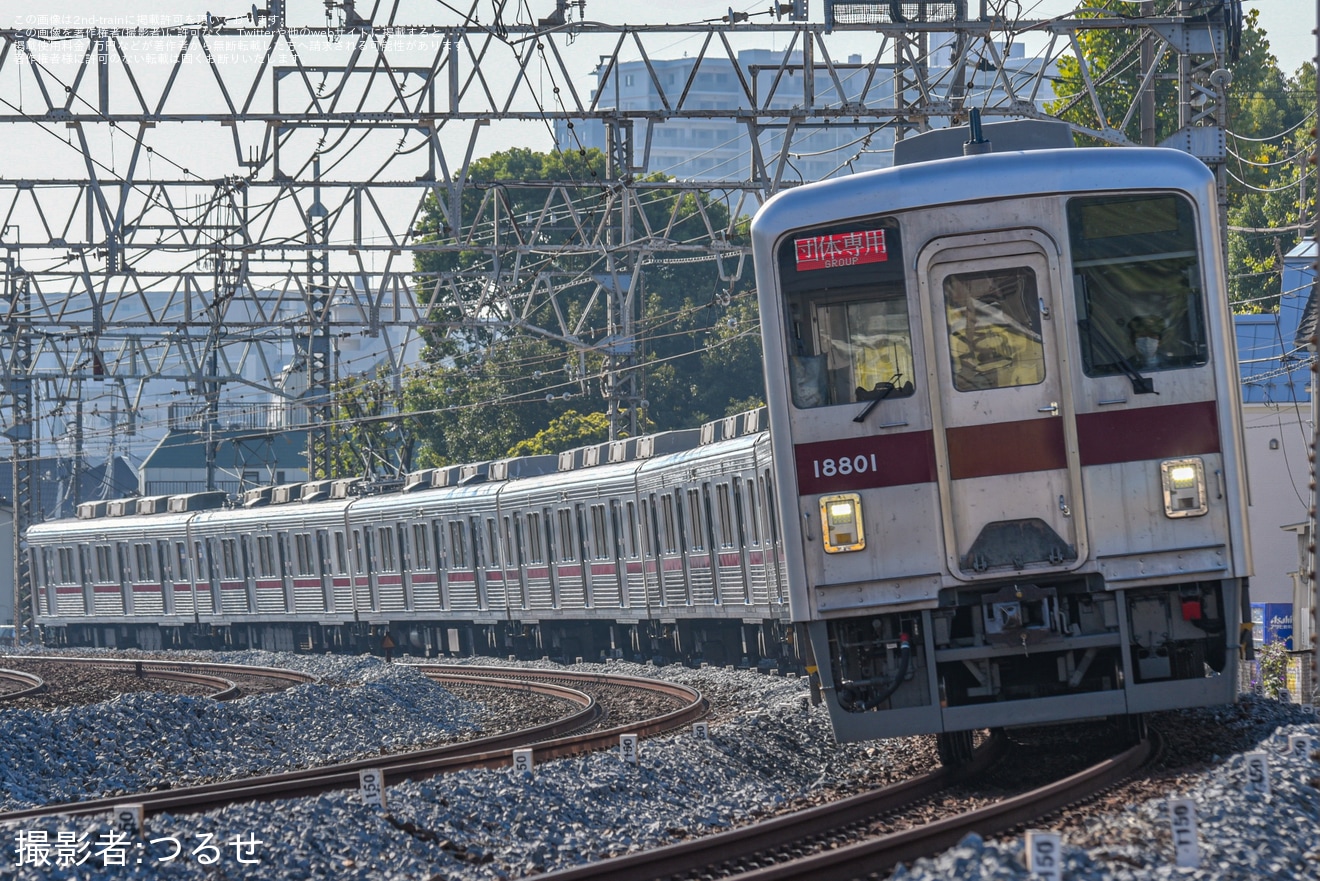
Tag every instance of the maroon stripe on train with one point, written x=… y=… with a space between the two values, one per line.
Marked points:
x=901 y=459
x=1006 y=448
x=1148 y=433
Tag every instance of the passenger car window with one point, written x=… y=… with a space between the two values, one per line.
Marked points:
x=1137 y=283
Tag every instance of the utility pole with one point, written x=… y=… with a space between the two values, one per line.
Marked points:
x=16 y=337
x=1148 y=80
x=314 y=346
x=1315 y=391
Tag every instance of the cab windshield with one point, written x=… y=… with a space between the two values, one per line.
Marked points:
x=1138 y=284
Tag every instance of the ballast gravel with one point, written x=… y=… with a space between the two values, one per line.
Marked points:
x=768 y=748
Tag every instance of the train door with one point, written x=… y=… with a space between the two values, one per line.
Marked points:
x=634 y=567
x=733 y=544
x=423 y=572
x=285 y=570
x=165 y=566
x=569 y=584
x=308 y=573
x=206 y=578
x=673 y=566
x=1005 y=441
x=85 y=578
x=497 y=599
x=464 y=595
x=652 y=583
x=341 y=581
x=363 y=601
x=125 y=577
x=512 y=559
x=388 y=569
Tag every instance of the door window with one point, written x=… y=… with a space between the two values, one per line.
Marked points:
x=993 y=320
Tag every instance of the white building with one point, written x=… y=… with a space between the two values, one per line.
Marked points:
x=1277 y=428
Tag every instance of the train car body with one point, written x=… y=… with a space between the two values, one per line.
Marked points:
x=663 y=546
x=1005 y=420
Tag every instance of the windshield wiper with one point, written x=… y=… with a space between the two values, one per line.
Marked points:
x=1141 y=385
x=881 y=391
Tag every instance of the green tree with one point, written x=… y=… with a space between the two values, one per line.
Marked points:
x=1269 y=144
x=568 y=430
x=697 y=346
x=371 y=439
x=1267 y=139
x=476 y=408
x=1115 y=71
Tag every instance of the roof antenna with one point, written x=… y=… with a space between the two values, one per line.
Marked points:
x=977 y=144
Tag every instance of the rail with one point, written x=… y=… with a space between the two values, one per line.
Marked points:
x=554 y=739
x=210 y=675
x=718 y=855
x=29 y=684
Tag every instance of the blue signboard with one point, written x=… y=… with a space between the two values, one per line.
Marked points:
x=1272 y=622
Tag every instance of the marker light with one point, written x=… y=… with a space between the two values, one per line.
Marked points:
x=841 y=523
x=1184 y=487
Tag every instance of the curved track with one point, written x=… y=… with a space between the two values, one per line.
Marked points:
x=220 y=678
x=25 y=684
x=553 y=740
x=769 y=850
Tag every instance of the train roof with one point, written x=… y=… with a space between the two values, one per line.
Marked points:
x=978 y=178
x=585 y=472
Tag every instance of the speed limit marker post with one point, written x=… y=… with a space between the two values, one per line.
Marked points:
x=1258 y=772
x=129 y=819
x=371 y=782
x=1182 y=822
x=1045 y=855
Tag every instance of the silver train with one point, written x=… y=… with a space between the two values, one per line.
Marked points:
x=660 y=547
x=1002 y=482
x=1004 y=410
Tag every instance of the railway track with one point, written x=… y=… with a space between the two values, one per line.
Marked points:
x=225 y=681
x=577 y=732
x=19 y=684
x=805 y=846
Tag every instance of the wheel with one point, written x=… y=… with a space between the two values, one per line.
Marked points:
x=954 y=747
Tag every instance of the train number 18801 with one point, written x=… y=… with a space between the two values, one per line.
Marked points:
x=844 y=465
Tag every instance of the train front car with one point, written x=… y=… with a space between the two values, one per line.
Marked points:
x=1004 y=409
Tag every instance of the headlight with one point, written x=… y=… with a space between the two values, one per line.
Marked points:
x=841 y=523
x=1184 y=487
